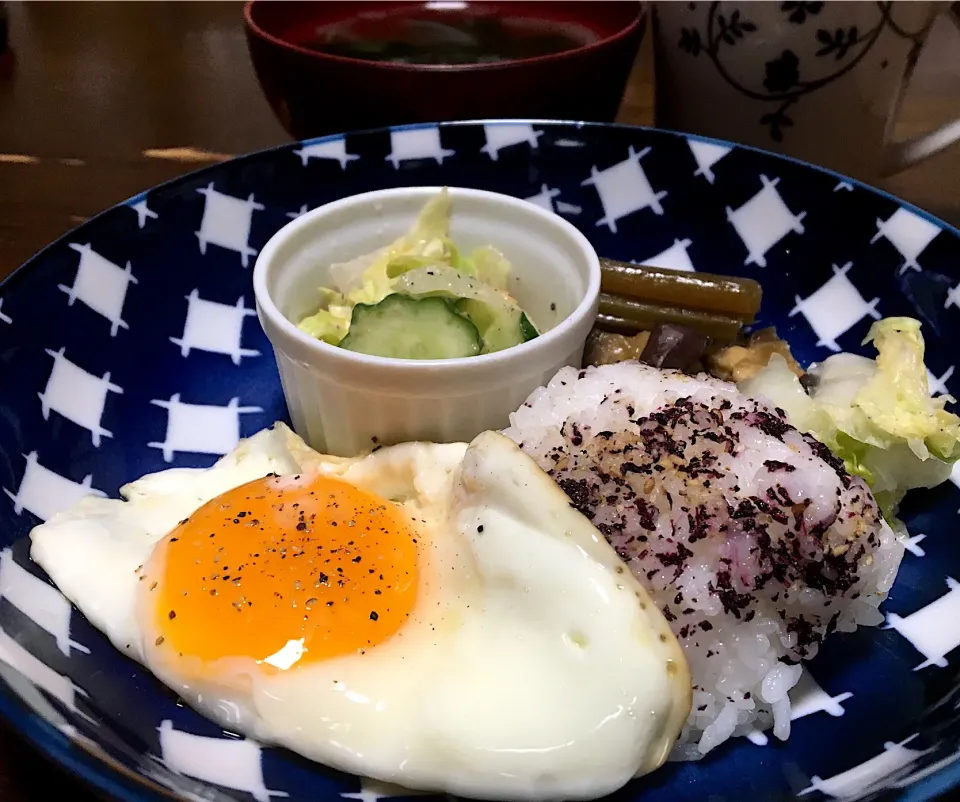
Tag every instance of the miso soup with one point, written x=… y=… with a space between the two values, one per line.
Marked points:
x=446 y=34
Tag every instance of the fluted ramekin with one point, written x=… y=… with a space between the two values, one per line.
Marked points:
x=344 y=403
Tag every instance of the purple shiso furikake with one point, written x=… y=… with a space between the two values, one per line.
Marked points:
x=664 y=495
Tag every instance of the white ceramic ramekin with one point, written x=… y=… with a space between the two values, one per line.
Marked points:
x=344 y=403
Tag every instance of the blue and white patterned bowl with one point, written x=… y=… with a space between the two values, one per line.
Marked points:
x=130 y=345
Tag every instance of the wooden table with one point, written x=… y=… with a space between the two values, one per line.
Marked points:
x=106 y=100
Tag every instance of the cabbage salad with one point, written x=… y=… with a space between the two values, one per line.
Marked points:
x=420 y=298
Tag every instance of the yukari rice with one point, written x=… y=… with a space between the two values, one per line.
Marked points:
x=750 y=535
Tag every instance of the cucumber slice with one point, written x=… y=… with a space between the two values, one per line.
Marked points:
x=501 y=323
x=401 y=327
x=527 y=330
x=500 y=327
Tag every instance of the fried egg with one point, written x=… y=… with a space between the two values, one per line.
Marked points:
x=435 y=616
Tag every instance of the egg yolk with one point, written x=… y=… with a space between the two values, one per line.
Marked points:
x=285 y=570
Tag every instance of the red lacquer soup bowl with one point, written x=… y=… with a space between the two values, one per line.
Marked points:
x=333 y=66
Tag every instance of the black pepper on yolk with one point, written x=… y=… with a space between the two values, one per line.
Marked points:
x=284 y=559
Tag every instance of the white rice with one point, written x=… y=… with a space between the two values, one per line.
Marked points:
x=750 y=537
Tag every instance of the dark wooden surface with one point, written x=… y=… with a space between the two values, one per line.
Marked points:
x=25 y=776
x=108 y=99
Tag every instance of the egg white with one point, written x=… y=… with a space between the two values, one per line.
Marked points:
x=533 y=666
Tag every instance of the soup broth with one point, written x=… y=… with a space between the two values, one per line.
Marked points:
x=445 y=34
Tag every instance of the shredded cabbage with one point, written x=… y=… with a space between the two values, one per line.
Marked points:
x=450 y=283
x=331 y=322
x=875 y=414
x=370 y=278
